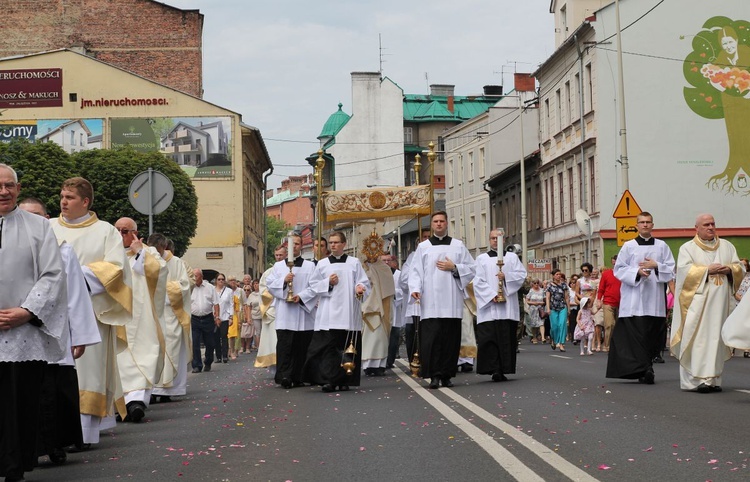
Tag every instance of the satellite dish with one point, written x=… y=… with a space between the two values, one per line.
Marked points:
x=583 y=221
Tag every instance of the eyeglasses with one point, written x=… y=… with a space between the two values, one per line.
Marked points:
x=585 y=270
x=8 y=186
x=126 y=231
x=220 y=279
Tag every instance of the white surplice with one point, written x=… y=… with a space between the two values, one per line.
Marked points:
x=293 y=316
x=32 y=276
x=486 y=287
x=338 y=307
x=641 y=296
x=442 y=294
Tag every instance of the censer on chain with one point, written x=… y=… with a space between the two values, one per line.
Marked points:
x=349 y=357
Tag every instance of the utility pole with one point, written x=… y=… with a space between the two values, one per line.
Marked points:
x=621 y=102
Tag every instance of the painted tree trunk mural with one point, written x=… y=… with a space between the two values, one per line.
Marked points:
x=718 y=69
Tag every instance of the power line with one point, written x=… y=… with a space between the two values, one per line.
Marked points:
x=633 y=22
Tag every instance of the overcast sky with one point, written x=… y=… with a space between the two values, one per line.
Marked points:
x=286 y=64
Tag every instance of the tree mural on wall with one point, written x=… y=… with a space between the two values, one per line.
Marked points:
x=718 y=69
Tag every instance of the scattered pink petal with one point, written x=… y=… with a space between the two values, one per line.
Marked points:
x=604 y=467
x=362 y=449
x=185 y=462
x=650 y=449
x=207 y=416
x=631 y=460
x=403 y=424
x=712 y=461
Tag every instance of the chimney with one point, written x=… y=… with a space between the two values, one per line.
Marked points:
x=524 y=82
x=443 y=90
x=450 y=104
x=493 y=90
x=269 y=193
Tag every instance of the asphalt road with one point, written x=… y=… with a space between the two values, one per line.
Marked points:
x=558 y=418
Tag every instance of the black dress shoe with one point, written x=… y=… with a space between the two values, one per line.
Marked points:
x=58 y=456
x=499 y=377
x=467 y=368
x=286 y=383
x=136 y=411
x=379 y=372
x=658 y=359
x=434 y=383
x=153 y=399
x=328 y=388
x=369 y=372
x=703 y=388
x=207 y=367
x=716 y=389
x=648 y=377
x=447 y=382
x=196 y=370
x=225 y=360
x=165 y=399
x=344 y=388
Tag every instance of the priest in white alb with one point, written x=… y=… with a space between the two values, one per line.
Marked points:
x=98 y=246
x=341 y=285
x=177 y=331
x=266 y=349
x=708 y=274
x=33 y=317
x=497 y=320
x=376 y=310
x=142 y=361
x=442 y=269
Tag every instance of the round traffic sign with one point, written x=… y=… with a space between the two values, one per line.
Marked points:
x=150 y=192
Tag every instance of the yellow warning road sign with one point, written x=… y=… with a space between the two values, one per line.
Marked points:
x=626 y=230
x=627 y=207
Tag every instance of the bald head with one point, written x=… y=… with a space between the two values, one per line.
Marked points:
x=128 y=230
x=705 y=226
x=198 y=273
x=34 y=206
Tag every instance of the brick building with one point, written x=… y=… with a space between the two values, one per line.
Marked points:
x=291 y=203
x=148 y=38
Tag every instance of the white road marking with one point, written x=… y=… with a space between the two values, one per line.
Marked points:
x=743 y=391
x=501 y=455
x=561 y=356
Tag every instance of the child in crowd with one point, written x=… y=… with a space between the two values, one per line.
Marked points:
x=585 y=326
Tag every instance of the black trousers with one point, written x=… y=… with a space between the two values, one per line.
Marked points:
x=409 y=331
x=221 y=342
x=60 y=409
x=439 y=344
x=21 y=388
x=496 y=347
x=325 y=355
x=291 y=353
x=393 y=345
x=202 y=328
x=635 y=341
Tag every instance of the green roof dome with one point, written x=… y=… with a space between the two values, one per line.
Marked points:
x=335 y=122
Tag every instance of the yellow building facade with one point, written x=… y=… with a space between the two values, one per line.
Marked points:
x=82 y=103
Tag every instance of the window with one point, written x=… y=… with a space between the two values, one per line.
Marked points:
x=547 y=120
x=592 y=186
x=581 y=191
x=558 y=111
x=568 y=104
x=577 y=96
x=560 y=195
x=547 y=196
x=471 y=165
x=453 y=228
x=408 y=135
x=571 y=194
x=483 y=226
x=589 y=102
x=510 y=221
x=472 y=231
x=72 y=138
x=481 y=162
x=564 y=19
x=538 y=205
x=81 y=139
x=448 y=174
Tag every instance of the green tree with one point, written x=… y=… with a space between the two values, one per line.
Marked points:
x=718 y=70
x=41 y=169
x=111 y=171
x=276 y=230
